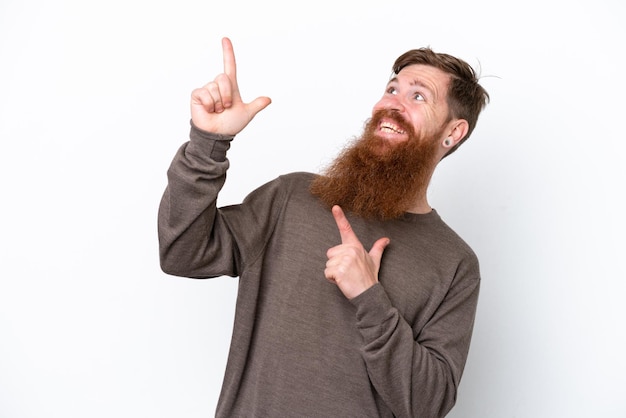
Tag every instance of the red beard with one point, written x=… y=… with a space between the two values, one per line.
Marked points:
x=376 y=179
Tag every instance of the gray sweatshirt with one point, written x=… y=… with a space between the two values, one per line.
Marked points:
x=299 y=348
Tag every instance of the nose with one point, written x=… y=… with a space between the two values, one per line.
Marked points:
x=389 y=102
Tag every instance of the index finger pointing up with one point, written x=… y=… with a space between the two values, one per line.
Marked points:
x=345 y=229
x=230 y=66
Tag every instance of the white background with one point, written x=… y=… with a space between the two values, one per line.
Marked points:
x=94 y=103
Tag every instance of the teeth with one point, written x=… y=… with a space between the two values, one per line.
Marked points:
x=386 y=126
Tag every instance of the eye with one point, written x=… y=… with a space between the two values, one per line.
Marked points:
x=392 y=90
x=418 y=97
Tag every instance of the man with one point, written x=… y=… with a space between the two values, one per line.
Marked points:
x=355 y=299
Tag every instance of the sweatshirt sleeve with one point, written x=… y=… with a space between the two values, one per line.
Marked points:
x=417 y=372
x=188 y=211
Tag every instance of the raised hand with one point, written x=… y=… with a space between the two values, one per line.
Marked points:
x=217 y=107
x=350 y=265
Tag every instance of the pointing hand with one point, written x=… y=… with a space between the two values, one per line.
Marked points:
x=217 y=107
x=349 y=265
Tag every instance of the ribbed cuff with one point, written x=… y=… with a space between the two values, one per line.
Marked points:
x=210 y=144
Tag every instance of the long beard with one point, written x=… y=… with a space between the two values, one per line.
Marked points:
x=375 y=179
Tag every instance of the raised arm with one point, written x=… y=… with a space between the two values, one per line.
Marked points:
x=217 y=107
x=189 y=221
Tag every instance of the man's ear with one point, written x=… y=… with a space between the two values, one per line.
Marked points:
x=457 y=131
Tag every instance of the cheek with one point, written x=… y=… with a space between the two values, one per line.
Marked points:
x=418 y=123
x=424 y=122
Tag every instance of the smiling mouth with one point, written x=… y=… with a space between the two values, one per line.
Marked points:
x=389 y=127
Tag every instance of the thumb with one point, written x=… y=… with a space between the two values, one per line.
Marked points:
x=258 y=104
x=377 y=250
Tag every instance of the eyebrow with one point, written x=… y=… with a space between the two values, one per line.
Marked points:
x=416 y=82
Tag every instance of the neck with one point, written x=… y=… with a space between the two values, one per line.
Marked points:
x=420 y=204
x=421 y=207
